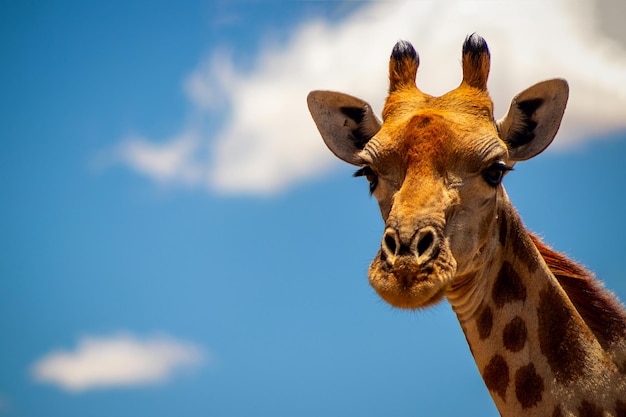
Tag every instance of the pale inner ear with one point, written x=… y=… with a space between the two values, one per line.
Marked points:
x=534 y=118
x=346 y=123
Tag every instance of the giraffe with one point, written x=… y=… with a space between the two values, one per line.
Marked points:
x=547 y=338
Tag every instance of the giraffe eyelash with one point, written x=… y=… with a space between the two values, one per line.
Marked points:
x=371 y=176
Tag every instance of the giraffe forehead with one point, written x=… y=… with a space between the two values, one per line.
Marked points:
x=431 y=140
x=431 y=128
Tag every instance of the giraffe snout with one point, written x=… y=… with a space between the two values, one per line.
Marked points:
x=413 y=267
x=421 y=247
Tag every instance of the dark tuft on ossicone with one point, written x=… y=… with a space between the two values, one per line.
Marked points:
x=475 y=45
x=476 y=60
x=403 y=50
x=402 y=66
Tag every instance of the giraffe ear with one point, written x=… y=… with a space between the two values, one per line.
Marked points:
x=346 y=123
x=534 y=118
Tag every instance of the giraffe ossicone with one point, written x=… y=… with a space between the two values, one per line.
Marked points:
x=547 y=338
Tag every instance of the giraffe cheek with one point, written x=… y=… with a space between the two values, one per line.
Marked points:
x=464 y=246
x=470 y=243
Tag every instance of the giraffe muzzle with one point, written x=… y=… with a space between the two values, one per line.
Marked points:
x=413 y=267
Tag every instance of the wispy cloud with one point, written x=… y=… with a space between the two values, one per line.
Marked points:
x=172 y=160
x=269 y=142
x=119 y=361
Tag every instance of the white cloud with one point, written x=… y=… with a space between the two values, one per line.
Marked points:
x=269 y=141
x=118 y=361
x=173 y=160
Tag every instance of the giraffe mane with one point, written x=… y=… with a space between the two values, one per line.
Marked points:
x=599 y=307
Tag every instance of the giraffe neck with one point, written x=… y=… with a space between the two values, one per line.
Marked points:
x=536 y=353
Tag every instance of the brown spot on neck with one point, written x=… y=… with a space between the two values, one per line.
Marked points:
x=560 y=333
x=528 y=386
x=557 y=412
x=514 y=334
x=503 y=227
x=508 y=286
x=484 y=323
x=620 y=408
x=588 y=409
x=496 y=376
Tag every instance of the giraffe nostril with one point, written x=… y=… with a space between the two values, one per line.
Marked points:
x=390 y=243
x=425 y=242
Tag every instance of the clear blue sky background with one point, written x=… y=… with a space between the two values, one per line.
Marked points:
x=273 y=288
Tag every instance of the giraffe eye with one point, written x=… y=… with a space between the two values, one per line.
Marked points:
x=494 y=174
x=371 y=176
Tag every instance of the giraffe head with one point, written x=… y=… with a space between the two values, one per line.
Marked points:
x=435 y=165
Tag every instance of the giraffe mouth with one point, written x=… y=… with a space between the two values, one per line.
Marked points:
x=405 y=283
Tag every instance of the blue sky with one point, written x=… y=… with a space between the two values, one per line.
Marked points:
x=176 y=240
